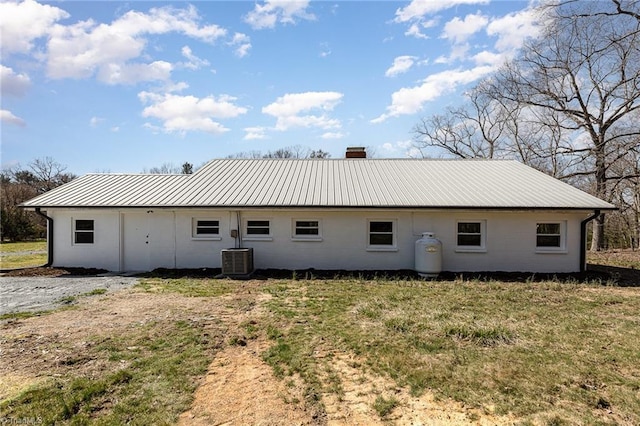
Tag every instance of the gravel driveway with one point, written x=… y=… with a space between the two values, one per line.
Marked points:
x=18 y=294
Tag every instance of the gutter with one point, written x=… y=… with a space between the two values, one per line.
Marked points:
x=49 y=237
x=238 y=207
x=583 y=240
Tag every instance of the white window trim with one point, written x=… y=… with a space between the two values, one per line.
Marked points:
x=382 y=247
x=207 y=237
x=295 y=237
x=74 y=230
x=265 y=237
x=563 y=238
x=482 y=248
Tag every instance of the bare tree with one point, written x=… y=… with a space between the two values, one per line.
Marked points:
x=584 y=69
x=47 y=174
x=319 y=154
x=626 y=195
x=295 y=151
x=164 y=169
x=246 y=155
x=491 y=127
x=476 y=130
x=19 y=184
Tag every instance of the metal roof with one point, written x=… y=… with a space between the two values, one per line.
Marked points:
x=327 y=183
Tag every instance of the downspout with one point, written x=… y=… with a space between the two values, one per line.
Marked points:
x=239 y=228
x=49 y=237
x=583 y=240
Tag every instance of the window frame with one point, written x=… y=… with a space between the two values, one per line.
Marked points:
x=77 y=232
x=204 y=236
x=295 y=236
x=561 y=235
x=247 y=236
x=482 y=247
x=394 y=235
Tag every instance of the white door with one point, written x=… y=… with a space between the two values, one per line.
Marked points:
x=148 y=240
x=136 y=253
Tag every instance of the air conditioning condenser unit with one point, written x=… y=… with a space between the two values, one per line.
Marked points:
x=237 y=261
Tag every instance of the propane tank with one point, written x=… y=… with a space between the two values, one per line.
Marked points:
x=428 y=256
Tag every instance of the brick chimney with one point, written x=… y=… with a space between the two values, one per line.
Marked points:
x=356 y=152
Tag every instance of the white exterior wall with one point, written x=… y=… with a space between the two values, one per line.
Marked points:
x=104 y=253
x=125 y=240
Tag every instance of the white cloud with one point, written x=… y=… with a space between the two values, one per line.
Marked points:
x=409 y=100
x=401 y=64
x=458 y=52
x=135 y=73
x=417 y=14
x=171 y=87
x=95 y=121
x=242 y=44
x=12 y=83
x=253 y=133
x=489 y=58
x=332 y=135
x=287 y=110
x=25 y=22
x=415 y=29
x=459 y=30
x=514 y=28
x=7 y=116
x=194 y=62
x=511 y=31
x=400 y=149
x=325 y=50
x=272 y=12
x=418 y=9
x=87 y=48
x=187 y=113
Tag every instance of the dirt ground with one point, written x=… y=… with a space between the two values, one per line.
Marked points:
x=239 y=388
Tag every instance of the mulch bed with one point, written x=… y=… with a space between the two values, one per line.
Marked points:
x=607 y=275
x=42 y=271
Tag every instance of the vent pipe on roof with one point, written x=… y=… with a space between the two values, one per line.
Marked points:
x=356 y=152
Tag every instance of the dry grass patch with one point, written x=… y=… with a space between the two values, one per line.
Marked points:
x=349 y=351
x=534 y=351
x=620 y=258
x=127 y=358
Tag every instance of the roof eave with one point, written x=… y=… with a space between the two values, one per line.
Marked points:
x=308 y=207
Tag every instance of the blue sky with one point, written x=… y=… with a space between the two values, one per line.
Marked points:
x=126 y=86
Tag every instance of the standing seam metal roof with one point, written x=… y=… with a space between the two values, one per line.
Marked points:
x=318 y=183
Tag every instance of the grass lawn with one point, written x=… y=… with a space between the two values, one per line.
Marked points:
x=23 y=254
x=545 y=353
x=549 y=353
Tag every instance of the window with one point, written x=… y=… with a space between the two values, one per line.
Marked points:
x=83 y=231
x=549 y=236
x=306 y=230
x=258 y=228
x=470 y=235
x=381 y=234
x=206 y=228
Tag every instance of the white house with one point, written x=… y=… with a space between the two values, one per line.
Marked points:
x=352 y=213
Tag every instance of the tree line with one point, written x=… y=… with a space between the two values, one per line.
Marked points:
x=568 y=105
x=21 y=184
